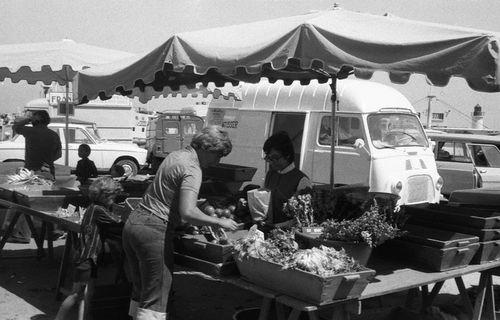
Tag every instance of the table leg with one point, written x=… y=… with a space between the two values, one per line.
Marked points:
x=464 y=296
x=43 y=232
x=428 y=298
x=9 y=230
x=484 y=300
x=34 y=233
x=50 y=245
x=265 y=308
x=63 y=267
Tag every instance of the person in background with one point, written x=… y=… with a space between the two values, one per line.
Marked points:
x=98 y=224
x=85 y=168
x=116 y=171
x=42 y=148
x=170 y=199
x=283 y=178
x=42 y=145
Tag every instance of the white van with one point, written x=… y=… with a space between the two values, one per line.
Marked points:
x=401 y=162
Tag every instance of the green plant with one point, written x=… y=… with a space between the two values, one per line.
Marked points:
x=372 y=228
x=299 y=207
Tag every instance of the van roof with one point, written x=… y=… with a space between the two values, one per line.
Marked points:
x=358 y=96
x=465 y=137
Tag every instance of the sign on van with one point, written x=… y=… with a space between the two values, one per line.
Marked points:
x=56 y=97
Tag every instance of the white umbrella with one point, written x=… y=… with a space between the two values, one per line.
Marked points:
x=52 y=62
x=305 y=47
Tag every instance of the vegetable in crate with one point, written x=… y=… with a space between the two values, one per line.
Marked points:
x=282 y=249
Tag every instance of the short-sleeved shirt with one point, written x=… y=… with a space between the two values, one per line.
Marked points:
x=43 y=146
x=180 y=170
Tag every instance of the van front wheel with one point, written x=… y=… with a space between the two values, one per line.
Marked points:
x=129 y=166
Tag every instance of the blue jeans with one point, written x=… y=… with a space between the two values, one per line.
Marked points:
x=148 y=245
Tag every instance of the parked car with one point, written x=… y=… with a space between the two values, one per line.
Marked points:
x=104 y=153
x=466 y=161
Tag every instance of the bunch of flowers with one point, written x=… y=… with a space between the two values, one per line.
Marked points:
x=300 y=208
x=371 y=228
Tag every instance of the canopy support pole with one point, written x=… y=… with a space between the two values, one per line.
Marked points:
x=333 y=129
x=343 y=73
x=66 y=128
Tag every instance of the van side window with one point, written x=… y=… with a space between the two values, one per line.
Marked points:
x=348 y=131
x=452 y=152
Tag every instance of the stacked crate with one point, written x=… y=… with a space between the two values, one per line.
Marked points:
x=483 y=222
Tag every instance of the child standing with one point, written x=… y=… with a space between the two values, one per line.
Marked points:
x=98 y=221
x=85 y=167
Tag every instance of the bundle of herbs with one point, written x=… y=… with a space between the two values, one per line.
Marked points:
x=372 y=228
x=281 y=248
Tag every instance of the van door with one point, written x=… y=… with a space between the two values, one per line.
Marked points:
x=351 y=166
x=486 y=158
x=293 y=124
x=190 y=127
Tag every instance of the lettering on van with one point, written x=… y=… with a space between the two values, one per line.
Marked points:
x=230 y=124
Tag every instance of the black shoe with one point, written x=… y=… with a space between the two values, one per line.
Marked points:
x=14 y=239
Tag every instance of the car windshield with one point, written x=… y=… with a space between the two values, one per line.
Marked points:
x=391 y=130
x=94 y=134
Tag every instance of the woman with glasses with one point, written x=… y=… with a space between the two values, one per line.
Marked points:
x=283 y=178
x=149 y=230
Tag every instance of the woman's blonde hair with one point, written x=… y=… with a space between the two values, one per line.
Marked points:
x=103 y=186
x=212 y=138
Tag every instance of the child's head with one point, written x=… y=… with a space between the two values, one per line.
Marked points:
x=104 y=190
x=116 y=171
x=84 y=151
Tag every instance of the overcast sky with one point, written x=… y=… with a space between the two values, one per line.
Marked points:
x=136 y=26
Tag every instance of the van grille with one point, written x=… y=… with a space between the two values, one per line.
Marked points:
x=420 y=189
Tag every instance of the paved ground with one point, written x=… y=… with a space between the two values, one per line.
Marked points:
x=27 y=291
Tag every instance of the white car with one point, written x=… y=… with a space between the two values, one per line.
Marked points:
x=104 y=153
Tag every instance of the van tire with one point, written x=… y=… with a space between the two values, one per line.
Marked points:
x=129 y=165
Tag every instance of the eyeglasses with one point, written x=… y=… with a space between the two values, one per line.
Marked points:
x=273 y=157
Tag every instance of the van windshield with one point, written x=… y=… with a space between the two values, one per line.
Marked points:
x=391 y=130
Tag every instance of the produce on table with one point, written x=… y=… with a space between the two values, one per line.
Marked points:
x=372 y=228
x=281 y=248
x=28 y=177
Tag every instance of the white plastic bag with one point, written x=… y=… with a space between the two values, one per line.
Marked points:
x=258 y=203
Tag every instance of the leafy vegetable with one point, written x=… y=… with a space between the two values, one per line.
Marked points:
x=371 y=228
x=282 y=249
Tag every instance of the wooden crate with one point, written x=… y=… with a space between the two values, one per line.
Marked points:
x=230 y=172
x=488 y=251
x=483 y=234
x=211 y=268
x=199 y=247
x=431 y=258
x=468 y=217
x=303 y=285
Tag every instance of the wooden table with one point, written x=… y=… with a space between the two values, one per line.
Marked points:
x=48 y=220
x=392 y=277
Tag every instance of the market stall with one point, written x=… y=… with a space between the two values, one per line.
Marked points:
x=327 y=46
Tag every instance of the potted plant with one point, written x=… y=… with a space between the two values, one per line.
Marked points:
x=356 y=226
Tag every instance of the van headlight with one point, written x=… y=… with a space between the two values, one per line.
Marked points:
x=439 y=183
x=397 y=187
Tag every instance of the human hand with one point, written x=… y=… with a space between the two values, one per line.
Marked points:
x=229 y=224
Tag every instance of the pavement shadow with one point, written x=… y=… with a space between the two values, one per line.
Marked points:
x=30 y=279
